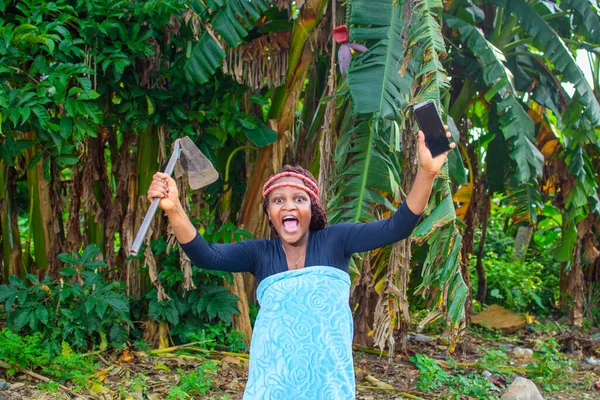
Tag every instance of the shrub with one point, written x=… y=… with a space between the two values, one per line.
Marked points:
x=80 y=309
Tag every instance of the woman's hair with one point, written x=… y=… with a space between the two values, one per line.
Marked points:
x=318 y=218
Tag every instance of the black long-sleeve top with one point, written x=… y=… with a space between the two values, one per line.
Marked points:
x=332 y=246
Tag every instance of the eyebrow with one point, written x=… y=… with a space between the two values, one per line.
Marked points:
x=276 y=193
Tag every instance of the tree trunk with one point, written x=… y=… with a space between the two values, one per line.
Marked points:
x=11 y=239
x=45 y=226
x=576 y=287
x=147 y=165
x=409 y=173
x=241 y=321
x=363 y=294
x=481 y=277
x=469 y=232
x=122 y=169
x=96 y=193
x=281 y=116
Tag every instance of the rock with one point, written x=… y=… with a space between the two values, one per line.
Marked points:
x=3 y=385
x=423 y=338
x=595 y=336
x=522 y=355
x=496 y=317
x=592 y=361
x=522 y=389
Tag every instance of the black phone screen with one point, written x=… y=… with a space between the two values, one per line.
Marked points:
x=430 y=123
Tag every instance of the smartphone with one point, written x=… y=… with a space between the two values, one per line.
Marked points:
x=430 y=123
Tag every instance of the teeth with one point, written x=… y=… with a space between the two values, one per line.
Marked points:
x=288 y=217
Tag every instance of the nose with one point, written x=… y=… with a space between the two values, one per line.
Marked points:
x=289 y=205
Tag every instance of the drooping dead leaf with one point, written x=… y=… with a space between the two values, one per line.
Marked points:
x=591 y=252
x=546 y=139
x=463 y=196
x=263 y=61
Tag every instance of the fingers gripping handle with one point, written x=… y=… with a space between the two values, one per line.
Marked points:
x=141 y=235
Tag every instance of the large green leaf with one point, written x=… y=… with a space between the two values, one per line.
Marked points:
x=516 y=125
x=373 y=79
x=202 y=59
x=557 y=52
x=428 y=35
x=232 y=22
x=366 y=172
x=441 y=216
x=258 y=133
x=457 y=296
x=238 y=16
x=586 y=12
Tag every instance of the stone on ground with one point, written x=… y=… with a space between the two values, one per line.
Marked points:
x=522 y=389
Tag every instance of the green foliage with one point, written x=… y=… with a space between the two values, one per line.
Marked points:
x=232 y=20
x=426 y=33
x=361 y=181
x=432 y=378
x=21 y=352
x=517 y=126
x=550 y=368
x=492 y=360
x=137 y=384
x=206 y=312
x=195 y=383
x=521 y=285
x=492 y=335
x=81 y=309
x=514 y=283
x=28 y=352
x=557 y=52
x=71 y=367
x=219 y=336
x=373 y=78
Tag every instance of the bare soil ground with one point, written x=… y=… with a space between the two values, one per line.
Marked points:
x=138 y=375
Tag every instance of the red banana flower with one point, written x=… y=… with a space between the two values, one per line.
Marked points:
x=341 y=35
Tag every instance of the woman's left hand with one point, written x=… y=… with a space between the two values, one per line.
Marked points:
x=429 y=164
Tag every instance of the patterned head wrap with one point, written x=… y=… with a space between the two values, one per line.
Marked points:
x=318 y=217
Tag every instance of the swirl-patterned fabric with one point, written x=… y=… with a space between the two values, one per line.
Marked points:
x=302 y=342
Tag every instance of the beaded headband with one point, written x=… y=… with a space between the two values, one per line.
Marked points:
x=312 y=189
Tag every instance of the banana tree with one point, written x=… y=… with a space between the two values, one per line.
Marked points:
x=42 y=106
x=281 y=117
x=519 y=63
x=11 y=240
x=375 y=157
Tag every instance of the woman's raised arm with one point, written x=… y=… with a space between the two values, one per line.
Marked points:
x=164 y=187
x=235 y=257
x=428 y=168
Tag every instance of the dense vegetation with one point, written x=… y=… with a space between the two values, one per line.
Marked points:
x=93 y=93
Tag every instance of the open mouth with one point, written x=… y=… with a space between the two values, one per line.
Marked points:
x=290 y=224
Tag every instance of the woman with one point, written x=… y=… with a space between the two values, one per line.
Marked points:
x=302 y=341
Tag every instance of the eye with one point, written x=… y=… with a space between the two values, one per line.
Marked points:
x=300 y=199
x=277 y=200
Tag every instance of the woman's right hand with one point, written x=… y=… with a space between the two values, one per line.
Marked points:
x=165 y=188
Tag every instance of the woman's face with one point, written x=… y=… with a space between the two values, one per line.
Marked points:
x=289 y=210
